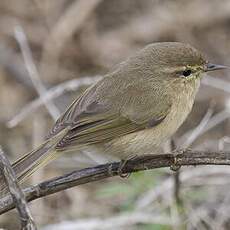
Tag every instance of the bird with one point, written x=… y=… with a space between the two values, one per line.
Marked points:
x=132 y=110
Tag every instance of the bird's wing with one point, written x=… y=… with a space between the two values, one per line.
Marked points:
x=92 y=119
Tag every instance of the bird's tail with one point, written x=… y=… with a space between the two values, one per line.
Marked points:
x=31 y=162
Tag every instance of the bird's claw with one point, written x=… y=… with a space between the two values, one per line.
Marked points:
x=120 y=169
x=122 y=165
x=175 y=167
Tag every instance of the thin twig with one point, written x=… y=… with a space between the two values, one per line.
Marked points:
x=144 y=162
x=70 y=22
x=206 y=124
x=177 y=186
x=32 y=70
x=217 y=83
x=216 y=120
x=176 y=204
x=165 y=188
x=189 y=137
x=54 y=92
x=14 y=66
x=17 y=194
x=115 y=222
x=176 y=175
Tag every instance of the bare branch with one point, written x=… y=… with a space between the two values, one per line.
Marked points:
x=115 y=222
x=17 y=194
x=54 y=92
x=15 y=67
x=217 y=83
x=189 y=137
x=144 y=162
x=33 y=72
x=70 y=22
x=187 y=176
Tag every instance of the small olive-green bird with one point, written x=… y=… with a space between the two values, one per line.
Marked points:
x=131 y=111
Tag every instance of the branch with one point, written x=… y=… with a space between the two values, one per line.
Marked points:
x=144 y=162
x=67 y=25
x=17 y=195
x=121 y=221
x=50 y=94
x=33 y=72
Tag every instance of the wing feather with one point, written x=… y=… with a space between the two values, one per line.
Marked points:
x=103 y=113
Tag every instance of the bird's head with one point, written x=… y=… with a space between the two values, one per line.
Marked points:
x=178 y=61
x=174 y=64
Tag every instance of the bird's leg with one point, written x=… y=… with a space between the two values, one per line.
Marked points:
x=123 y=162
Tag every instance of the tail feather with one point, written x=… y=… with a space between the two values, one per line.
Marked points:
x=31 y=162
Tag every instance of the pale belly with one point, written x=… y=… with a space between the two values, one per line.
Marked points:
x=148 y=141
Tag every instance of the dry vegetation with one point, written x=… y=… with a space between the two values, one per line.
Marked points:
x=51 y=50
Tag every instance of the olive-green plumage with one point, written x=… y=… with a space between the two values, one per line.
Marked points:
x=132 y=110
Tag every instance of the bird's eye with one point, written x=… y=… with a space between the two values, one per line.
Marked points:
x=187 y=72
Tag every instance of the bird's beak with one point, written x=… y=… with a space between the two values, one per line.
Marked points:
x=212 y=67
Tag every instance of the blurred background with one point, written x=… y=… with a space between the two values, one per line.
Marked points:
x=50 y=51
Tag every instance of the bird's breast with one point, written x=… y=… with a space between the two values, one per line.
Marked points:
x=148 y=141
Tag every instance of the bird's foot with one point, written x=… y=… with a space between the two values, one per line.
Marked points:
x=175 y=167
x=122 y=165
